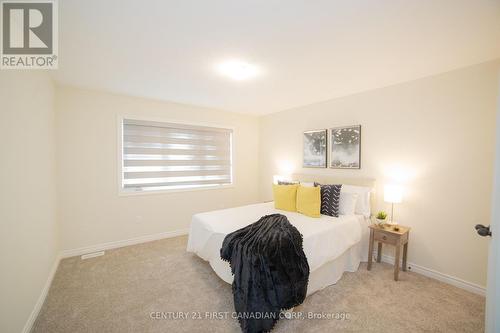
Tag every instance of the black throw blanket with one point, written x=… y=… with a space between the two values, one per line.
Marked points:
x=270 y=271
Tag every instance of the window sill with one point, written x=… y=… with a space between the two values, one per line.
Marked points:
x=126 y=193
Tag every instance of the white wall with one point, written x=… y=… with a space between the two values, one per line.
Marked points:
x=91 y=211
x=435 y=136
x=28 y=230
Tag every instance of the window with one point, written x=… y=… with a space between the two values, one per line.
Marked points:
x=167 y=156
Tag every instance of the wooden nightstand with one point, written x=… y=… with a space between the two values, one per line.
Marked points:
x=387 y=235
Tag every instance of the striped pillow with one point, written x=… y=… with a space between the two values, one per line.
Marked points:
x=330 y=199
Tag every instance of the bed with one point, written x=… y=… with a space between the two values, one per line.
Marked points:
x=332 y=245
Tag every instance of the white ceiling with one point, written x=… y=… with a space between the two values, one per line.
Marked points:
x=309 y=51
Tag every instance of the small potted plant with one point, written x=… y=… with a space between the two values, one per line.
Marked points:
x=381 y=218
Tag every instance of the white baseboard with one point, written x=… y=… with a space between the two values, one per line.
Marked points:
x=113 y=245
x=454 y=281
x=41 y=299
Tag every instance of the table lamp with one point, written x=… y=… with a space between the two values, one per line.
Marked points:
x=393 y=194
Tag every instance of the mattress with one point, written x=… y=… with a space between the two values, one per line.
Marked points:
x=325 y=239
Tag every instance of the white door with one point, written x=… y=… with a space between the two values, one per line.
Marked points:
x=493 y=292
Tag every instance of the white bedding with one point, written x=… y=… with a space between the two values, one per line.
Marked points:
x=325 y=238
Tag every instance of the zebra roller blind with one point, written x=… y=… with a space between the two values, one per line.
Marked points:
x=160 y=156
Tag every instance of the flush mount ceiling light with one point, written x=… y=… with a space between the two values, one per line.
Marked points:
x=238 y=70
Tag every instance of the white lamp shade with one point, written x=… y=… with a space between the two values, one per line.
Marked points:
x=393 y=194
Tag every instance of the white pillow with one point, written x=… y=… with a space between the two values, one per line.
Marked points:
x=347 y=203
x=363 y=202
x=307 y=184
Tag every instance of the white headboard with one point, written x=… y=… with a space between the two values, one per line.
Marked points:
x=329 y=179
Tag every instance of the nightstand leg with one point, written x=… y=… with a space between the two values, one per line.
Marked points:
x=396 y=263
x=379 y=252
x=370 y=250
x=405 y=255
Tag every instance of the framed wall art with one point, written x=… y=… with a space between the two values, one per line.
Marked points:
x=315 y=149
x=345 y=147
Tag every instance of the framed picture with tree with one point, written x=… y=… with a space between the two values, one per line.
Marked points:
x=314 y=153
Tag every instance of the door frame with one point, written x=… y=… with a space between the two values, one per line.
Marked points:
x=493 y=284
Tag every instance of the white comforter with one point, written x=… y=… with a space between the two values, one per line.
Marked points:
x=325 y=238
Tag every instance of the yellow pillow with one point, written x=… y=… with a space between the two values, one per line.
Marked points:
x=285 y=197
x=309 y=200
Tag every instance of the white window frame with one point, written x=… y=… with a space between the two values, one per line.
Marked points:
x=129 y=192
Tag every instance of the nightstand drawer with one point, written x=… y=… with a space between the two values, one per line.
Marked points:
x=386 y=238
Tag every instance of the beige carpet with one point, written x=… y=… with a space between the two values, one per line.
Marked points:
x=119 y=291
